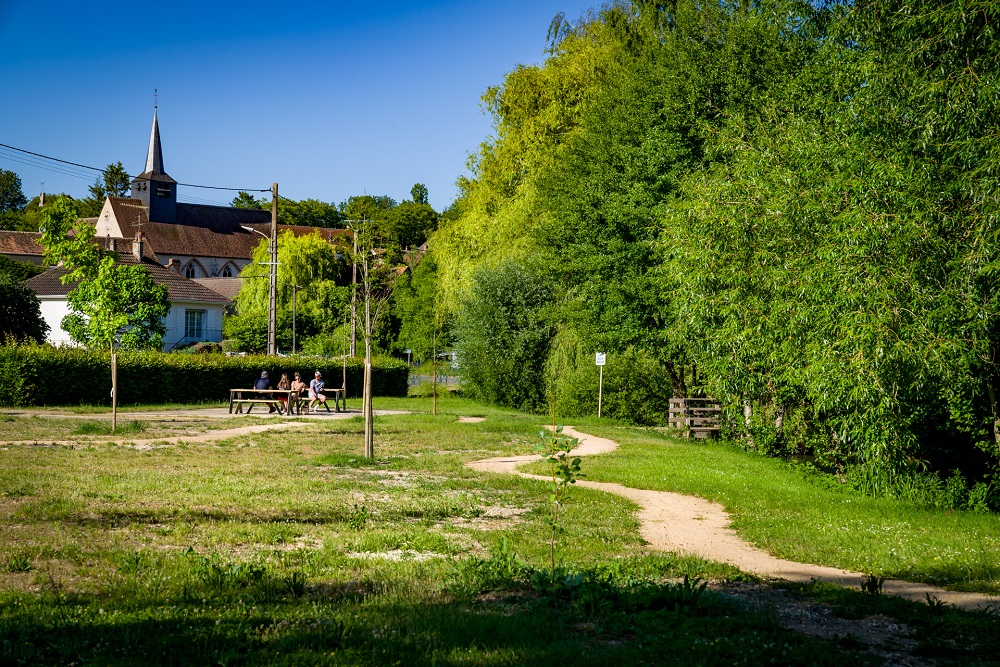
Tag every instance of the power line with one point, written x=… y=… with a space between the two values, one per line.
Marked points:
x=84 y=166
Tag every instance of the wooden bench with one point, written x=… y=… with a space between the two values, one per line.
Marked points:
x=251 y=397
x=339 y=394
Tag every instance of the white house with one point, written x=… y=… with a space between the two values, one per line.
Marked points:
x=195 y=310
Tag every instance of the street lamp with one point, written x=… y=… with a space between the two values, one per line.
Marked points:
x=272 y=311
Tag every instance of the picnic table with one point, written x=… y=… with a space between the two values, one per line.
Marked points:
x=251 y=397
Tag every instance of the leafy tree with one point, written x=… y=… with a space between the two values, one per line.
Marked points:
x=245 y=200
x=409 y=224
x=114 y=306
x=114 y=181
x=309 y=262
x=419 y=194
x=367 y=207
x=18 y=271
x=309 y=213
x=12 y=200
x=503 y=333
x=423 y=324
x=20 y=312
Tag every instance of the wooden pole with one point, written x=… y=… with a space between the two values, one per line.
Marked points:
x=354 y=297
x=435 y=385
x=114 y=389
x=272 y=296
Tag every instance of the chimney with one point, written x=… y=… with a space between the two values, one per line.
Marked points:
x=174 y=265
x=113 y=245
x=137 y=246
x=41 y=200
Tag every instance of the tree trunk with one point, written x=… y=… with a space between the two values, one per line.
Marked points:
x=994 y=410
x=369 y=416
x=114 y=389
x=678 y=388
x=747 y=414
x=434 y=384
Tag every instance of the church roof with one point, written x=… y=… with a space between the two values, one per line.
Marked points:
x=180 y=289
x=154 y=157
x=206 y=231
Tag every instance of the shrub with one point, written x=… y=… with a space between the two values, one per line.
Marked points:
x=45 y=375
x=503 y=336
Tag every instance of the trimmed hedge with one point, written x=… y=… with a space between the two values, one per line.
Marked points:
x=45 y=375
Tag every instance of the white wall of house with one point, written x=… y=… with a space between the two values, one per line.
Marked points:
x=54 y=309
x=179 y=324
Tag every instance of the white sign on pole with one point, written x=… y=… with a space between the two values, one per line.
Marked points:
x=601 y=357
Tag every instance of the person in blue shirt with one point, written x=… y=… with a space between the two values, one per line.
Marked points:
x=316 y=395
x=265 y=383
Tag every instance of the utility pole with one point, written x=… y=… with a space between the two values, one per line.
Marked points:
x=354 y=296
x=295 y=298
x=272 y=315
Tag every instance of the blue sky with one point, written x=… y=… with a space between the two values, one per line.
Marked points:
x=328 y=99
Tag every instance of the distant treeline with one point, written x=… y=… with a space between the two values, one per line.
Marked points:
x=789 y=206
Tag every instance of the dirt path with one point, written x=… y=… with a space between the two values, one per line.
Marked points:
x=676 y=522
x=149 y=443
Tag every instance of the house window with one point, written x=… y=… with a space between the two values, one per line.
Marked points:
x=194 y=324
x=190 y=271
x=227 y=271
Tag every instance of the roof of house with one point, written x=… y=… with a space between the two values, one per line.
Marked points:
x=180 y=289
x=207 y=231
x=227 y=287
x=20 y=243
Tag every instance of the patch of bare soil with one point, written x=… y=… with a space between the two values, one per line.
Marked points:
x=885 y=638
x=471 y=420
x=688 y=524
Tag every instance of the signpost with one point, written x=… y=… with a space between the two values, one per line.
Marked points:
x=600 y=358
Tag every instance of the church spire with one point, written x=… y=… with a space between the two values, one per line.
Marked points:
x=154 y=156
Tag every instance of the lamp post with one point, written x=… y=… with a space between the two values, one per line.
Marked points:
x=272 y=310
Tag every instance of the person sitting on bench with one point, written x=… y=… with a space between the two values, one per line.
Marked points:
x=301 y=387
x=316 y=395
x=265 y=383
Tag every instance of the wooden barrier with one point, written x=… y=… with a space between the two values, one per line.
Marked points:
x=697 y=417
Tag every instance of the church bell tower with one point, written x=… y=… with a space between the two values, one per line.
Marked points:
x=156 y=190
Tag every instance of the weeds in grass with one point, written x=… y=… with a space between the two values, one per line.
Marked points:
x=358 y=518
x=18 y=562
x=872 y=585
x=95 y=427
x=563 y=471
x=935 y=604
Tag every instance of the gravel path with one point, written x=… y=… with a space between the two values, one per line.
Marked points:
x=676 y=522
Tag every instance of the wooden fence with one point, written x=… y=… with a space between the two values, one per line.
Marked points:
x=697 y=417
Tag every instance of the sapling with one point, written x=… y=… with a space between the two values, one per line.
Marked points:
x=555 y=447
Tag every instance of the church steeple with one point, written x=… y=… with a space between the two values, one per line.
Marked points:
x=154 y=156
x=153 y=186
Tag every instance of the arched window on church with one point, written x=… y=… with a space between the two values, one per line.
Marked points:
x=190 y=271
x=227 y=271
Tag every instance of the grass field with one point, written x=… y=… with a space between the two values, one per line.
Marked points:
x=287 y=547
x=807 y=516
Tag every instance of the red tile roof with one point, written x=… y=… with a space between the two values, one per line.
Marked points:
x=20 y=243
x=180 y=289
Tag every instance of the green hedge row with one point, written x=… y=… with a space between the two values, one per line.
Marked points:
x=44 y=375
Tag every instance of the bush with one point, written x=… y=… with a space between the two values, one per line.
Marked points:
x=45 y=375
x=637 y=387
x=503 y=337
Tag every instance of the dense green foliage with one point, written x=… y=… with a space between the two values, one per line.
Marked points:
x=311 y=277
x=788 y=206
x=42 y=375
x=114 y=304
x=18 y=270
x=20 y=312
